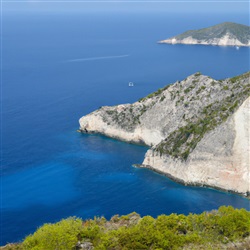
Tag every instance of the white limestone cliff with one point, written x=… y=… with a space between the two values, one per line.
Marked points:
x=221 y=159
x=226 y=40
x=198 y=130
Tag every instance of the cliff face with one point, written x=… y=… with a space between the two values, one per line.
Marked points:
x=221 y=158
x=227 y=40
x=224 y=34
x=197 y=129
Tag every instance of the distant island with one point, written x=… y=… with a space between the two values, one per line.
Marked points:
x=197 y=130
x=224 y=34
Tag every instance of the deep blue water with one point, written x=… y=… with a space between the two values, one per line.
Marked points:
x=57 y=68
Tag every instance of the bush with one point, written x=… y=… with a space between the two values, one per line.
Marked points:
x=212 y=229
x=62 y=235
x=233 y=223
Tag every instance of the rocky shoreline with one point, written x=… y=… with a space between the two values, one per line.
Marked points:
x=223 y=34
x=191 y=184
x=196 y=136
x=224 y=41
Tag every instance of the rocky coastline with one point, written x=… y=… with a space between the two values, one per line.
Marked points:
x=197 y=130
x=193 y=184
x=223 y=34
x=227 y=40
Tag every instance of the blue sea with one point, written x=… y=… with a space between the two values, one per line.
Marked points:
x=59 y=67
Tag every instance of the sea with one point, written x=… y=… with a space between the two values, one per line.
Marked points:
x=57 y=67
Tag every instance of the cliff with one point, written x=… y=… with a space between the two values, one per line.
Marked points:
x=198 y=130
x=224 y=34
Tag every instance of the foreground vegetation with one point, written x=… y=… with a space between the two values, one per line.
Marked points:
x=209 y=230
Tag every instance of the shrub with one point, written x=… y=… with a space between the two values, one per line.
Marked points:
x=172 y=231
x=197 y=74
x=62 y=235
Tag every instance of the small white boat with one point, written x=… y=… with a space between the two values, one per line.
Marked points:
x=131 y=84
x=237 y=47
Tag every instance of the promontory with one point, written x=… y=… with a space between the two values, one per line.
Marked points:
x=197 y=130
x=224 y=34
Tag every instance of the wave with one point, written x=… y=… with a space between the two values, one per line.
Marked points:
x=96 y=58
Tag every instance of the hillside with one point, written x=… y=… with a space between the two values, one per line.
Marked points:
x=225 y=34
x=225 y=228
x=198 y=130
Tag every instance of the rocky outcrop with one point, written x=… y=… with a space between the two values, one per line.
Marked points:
x=197 y=130
x=225 y=34
x=221 y=158
x=226 y=40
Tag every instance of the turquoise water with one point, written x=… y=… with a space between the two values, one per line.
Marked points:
x=57 y=68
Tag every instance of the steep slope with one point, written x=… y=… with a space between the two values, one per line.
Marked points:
x=225 y=34
x=220 y=159
x=197 y=128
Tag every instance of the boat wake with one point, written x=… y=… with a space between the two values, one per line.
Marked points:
x=96 y=58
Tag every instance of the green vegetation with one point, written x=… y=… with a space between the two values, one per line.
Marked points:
x=188 y=89
x=127 y=119
x=62 y=235
x=209 y=230
x=242 y=32
x=162 y=98
x=200 y=90
x=156 y=93
x=197 y=74
x=240 y=77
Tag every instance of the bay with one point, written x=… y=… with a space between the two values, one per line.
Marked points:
x=57 y=68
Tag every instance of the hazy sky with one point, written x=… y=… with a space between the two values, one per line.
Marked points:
x=127 y=5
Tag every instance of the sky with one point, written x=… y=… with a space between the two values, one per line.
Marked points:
x=178 y=6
